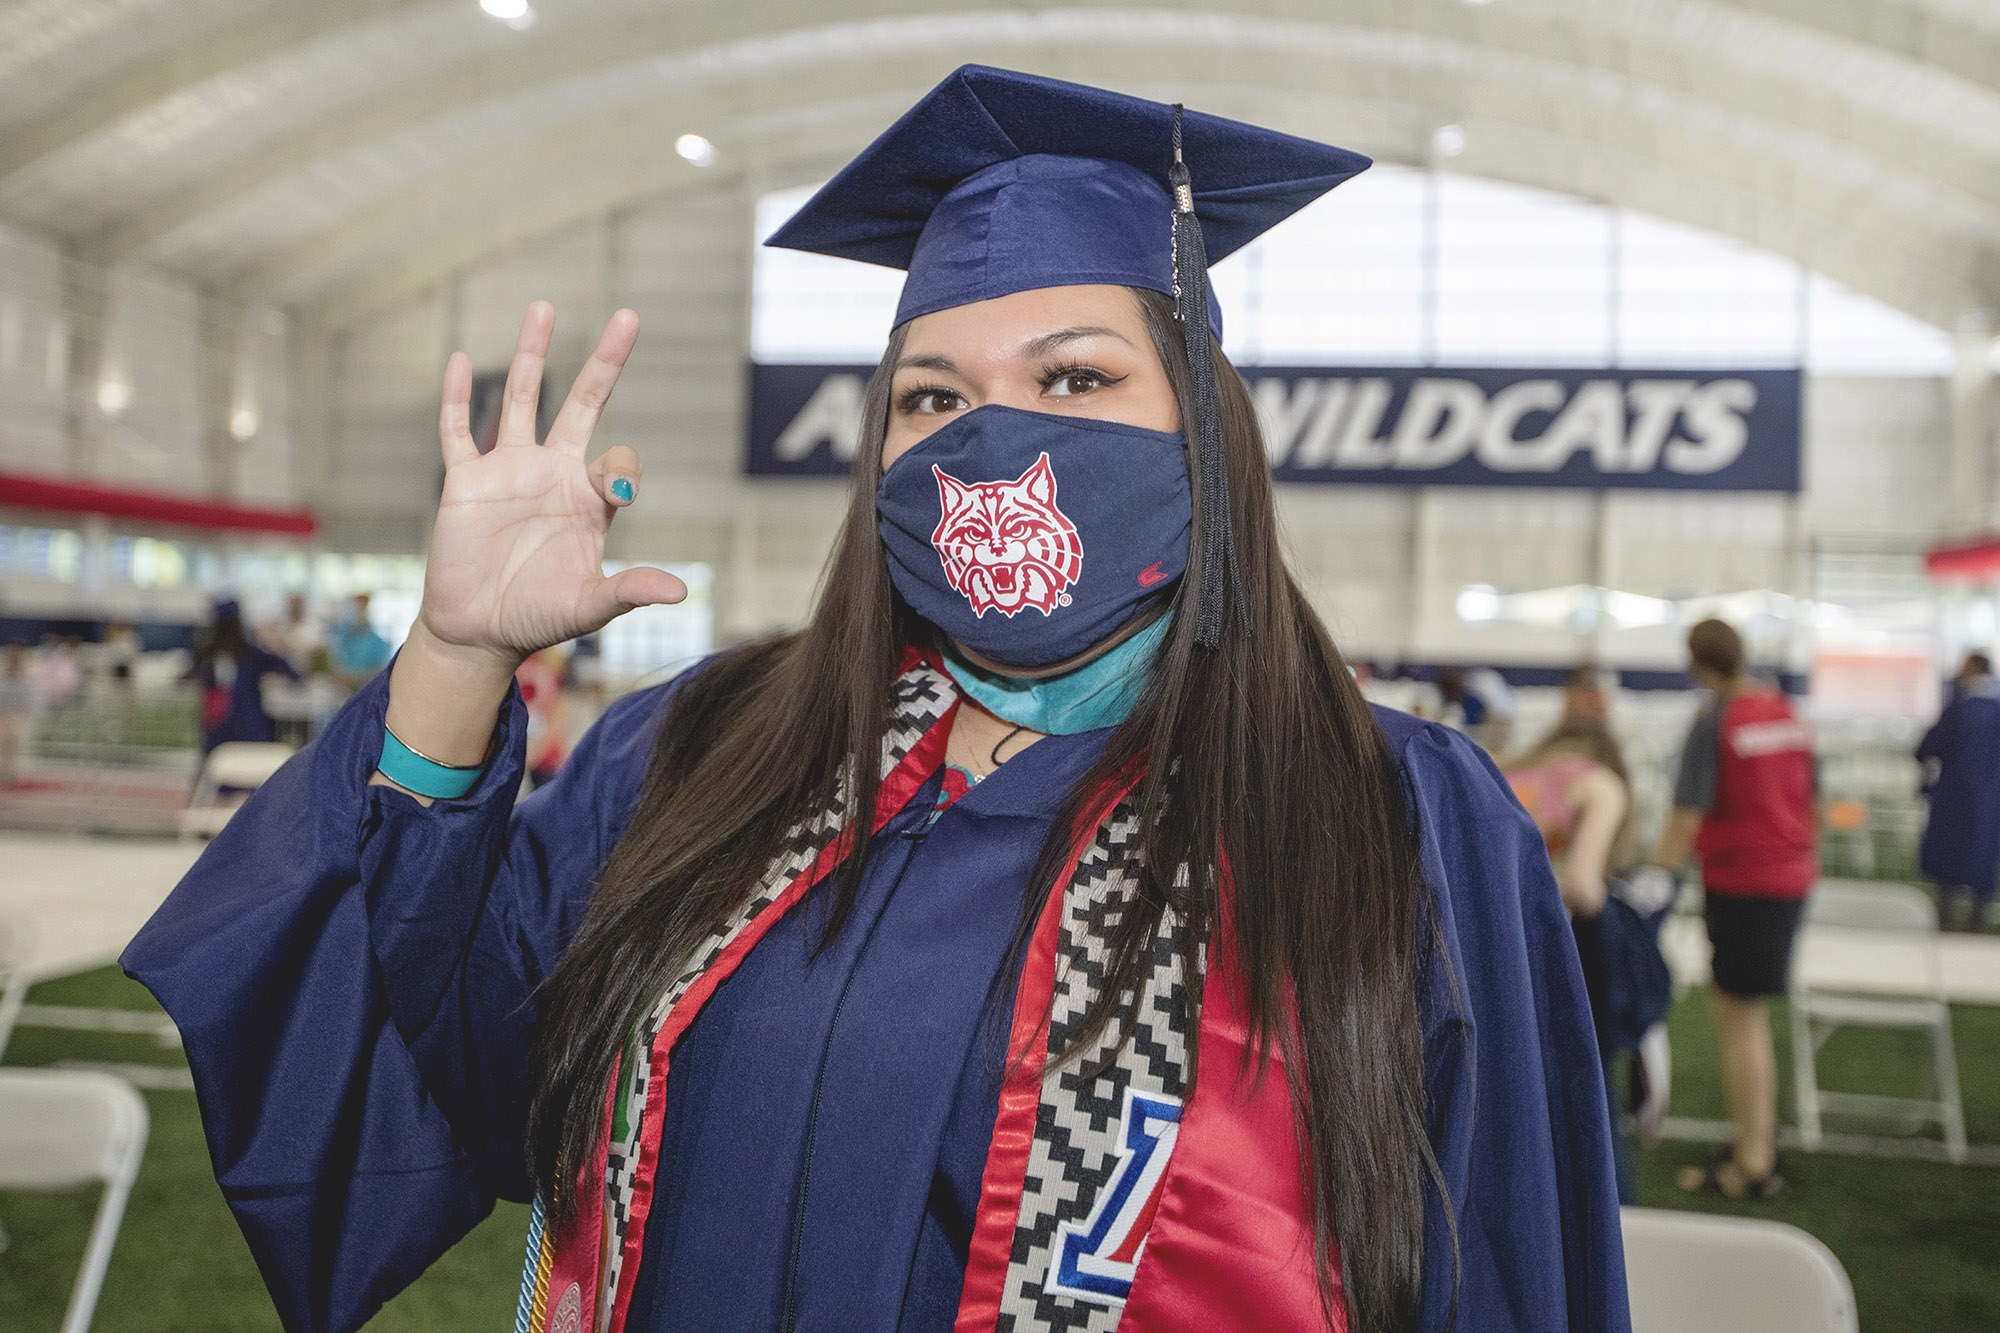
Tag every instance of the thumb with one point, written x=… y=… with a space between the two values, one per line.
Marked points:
x=641 y=585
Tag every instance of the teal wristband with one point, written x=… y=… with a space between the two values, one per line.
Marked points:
x=426 y=777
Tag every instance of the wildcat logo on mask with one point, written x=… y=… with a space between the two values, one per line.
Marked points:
x=1004 y=544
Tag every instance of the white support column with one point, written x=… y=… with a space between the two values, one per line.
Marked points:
x=1973 y=466
x=87 y=317
x=309 y=368
x=1424 y=524
x=1604 y=570
x=219 y=362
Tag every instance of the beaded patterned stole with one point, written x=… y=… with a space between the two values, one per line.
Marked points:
x=1066 y=1211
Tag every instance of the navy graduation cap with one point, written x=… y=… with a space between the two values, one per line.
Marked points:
x=999 y=182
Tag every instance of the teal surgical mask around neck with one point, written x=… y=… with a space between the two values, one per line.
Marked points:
x=1100 y=693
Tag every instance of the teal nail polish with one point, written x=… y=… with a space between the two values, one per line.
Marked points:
x=622 y=488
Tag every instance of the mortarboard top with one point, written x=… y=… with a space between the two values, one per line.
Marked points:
x=998 y=182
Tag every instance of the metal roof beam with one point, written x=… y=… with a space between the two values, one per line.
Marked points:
x=207 y=53
x=1743 y=59
x=1567 y=128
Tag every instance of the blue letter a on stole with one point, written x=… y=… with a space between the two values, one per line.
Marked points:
x=1094 y=1260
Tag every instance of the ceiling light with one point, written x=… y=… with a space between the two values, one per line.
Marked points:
x=243 y=422
x=695 y=149
x=514 y=13
x=1448 y=140
x=113 y=396
x=1475 y=4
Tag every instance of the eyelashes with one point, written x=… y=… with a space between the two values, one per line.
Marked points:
x=912 y=400
x=1061 y=373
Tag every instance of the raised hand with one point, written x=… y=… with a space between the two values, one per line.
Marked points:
x=516 y=560
x=517 y=551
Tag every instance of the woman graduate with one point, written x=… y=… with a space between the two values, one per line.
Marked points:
x=1046 y=937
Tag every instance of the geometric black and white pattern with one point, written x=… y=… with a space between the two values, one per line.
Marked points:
x=1075 y=1146
x=1075 y=1150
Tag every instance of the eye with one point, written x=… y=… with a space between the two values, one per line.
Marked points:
x=1074 y=381
x=931 y=400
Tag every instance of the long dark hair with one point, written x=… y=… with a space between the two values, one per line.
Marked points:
x=1263 y=745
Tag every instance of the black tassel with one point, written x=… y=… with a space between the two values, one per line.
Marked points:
x=1220 y=582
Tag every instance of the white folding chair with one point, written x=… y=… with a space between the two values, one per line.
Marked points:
x=66 y=1129
x=16 y=940
x=239 y=765
x=1700 y=1273
x=1869 y=957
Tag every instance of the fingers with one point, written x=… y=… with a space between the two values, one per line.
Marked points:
x=524 y=376
x=594 y=383
x=455 y=417
x=642 y=585
x=615 y=476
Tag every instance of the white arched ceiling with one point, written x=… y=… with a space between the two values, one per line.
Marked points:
x=339 y=155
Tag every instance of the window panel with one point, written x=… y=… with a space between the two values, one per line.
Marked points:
x=1522 y=277
x=1851 y=334
x=1341 y=280
x=1688 y=297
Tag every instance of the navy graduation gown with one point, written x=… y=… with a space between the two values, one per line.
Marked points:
x=1961 y=844
x=353 y=975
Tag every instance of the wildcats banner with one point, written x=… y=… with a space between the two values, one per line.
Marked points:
x=1404 y=426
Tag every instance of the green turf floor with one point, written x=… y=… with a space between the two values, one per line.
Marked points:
x=1921 y=1240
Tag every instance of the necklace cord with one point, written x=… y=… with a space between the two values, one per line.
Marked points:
x=993 y=758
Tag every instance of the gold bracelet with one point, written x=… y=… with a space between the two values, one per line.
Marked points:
x=463 y=768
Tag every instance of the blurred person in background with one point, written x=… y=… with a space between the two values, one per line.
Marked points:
x=1744 y=805
x=300 y=707
x=230 y=667
x=587 y=675
x=1478 y=702
x=1495 y=697
x=1584 y=696
x=57 y=670
x=357 y=651
x=1975 y=677
x=1573 y=784
x=17 y=709
x=119 y=652
x=297 y=635
x=1961 y=759
x=544 y=681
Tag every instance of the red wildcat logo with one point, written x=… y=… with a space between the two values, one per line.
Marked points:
x=1004 y=544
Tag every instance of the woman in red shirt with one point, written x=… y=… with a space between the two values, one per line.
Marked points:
x=1743 y=804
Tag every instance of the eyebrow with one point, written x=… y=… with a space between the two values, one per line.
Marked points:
x=1049 y=342
x=1040 y=345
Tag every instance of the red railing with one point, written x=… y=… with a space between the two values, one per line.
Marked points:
x=52 y=495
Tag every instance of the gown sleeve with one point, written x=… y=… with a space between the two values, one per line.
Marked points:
x=352 y=974
x=1516 y=1089
x=1930 y=750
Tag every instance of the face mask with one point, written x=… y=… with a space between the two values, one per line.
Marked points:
x=1032 y=538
